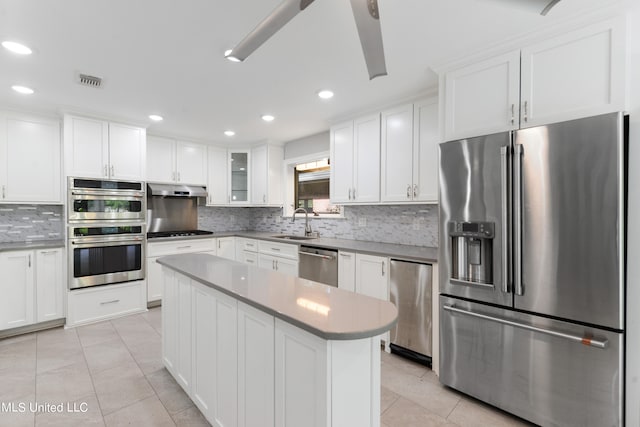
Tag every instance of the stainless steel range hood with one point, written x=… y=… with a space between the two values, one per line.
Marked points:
x=176 y=190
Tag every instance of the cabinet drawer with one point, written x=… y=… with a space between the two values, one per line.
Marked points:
x=283 y=250
x=100 y=303
x=250 y=258
x=180 y=247
x=245 y=244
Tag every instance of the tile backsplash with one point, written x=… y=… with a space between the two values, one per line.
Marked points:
x=20 y=223
x=219 y=219
x=415 y=225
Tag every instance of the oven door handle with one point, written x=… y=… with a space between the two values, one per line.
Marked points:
x=109 y=195
x=99 y=243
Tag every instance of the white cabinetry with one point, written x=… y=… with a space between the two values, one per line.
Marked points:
x=247 y=251
x=30 y=159
x=99 y=149
x=217 y=176
x=255 y=367
x=347 y=271
x=239 y=177
x=17 y=289
x=579 y=74
x=156 y=250
x=355 y=161
x=301 y=385
x=50 y=284
x=95 y=304
x=409 y=158
x=226 y=247
x=372 y=274
x=170 y=161
x=280 y=257
x=266 y=175
x=32 y=285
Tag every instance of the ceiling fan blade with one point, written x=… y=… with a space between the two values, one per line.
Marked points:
x=367 y=17
x=537 y=6
x=267 y=28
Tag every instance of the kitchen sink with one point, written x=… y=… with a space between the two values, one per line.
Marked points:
x=292 y=237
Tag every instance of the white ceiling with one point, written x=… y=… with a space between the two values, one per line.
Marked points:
x=166 y=57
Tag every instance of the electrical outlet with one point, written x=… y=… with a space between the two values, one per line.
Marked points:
x=362 y=221
x=416 y=223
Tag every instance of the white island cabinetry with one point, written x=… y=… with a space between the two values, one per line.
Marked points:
x=243 y=364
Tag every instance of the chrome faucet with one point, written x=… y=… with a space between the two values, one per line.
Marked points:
x=307 y=226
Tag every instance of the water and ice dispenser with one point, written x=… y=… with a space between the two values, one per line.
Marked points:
x=471 y=251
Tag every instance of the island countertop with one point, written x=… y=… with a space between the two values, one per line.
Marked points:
x=327 y=312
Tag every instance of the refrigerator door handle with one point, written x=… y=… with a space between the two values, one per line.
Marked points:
x=504 y=188
x=602 y=344
x=517 y=223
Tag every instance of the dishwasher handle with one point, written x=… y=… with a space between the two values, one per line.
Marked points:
x=329 y=257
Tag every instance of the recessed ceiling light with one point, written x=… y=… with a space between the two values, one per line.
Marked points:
x=227 y=54
x=16 y=48
x=156 y=118
x=229 y=132
x=325 y=94
x=268 y=118
x=22 y=89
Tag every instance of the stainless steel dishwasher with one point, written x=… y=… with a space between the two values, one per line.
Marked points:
x=319 y=265
x=410 y=291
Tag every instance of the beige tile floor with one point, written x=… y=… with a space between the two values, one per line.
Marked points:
x=114 y=369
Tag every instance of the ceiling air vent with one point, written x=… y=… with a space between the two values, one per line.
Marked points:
x=91 y=81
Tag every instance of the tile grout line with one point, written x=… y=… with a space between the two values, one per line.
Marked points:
x=95 y=392
x=143 y=374
x=452 y=410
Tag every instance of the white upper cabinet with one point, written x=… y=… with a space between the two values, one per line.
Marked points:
x=191 y=163
x=341 y=182
x=397 y=154
x=578 y=74
x=266 y=175
x=482 y=98
x=161 y=159
x=239 y=176
x=99 y=149
x=127 y=152
x=426 y=137
x=30 y=159
x=217 y=181
x=409 y=153
x=170 y=161
x=355 y=161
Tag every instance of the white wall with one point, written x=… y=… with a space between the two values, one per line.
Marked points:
x=633 y=236
x=308 y=145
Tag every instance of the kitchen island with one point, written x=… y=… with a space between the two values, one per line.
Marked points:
x=259 y=348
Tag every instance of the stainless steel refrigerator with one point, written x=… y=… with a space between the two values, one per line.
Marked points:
x=532 y=283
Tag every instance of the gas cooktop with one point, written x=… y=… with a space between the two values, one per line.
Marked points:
x=183 y=233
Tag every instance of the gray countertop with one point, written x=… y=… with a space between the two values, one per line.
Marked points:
x=414 y=253
x=325 y=311
x=36 y=244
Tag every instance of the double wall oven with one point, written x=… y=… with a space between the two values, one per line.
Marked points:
x=106 y=231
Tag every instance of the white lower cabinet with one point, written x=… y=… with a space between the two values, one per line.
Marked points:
x=372 y=276
x=32 y=287
x=94 y=304
x=242 y=367
x=255 y=367
x=300 y=377
x=274 y=263
x=17 y=289
x=226 y=247
x=155 y=250
x=49 y=284
x=347 y=271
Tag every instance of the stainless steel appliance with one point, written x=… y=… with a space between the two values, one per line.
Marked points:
x=319 y=265
x=101 y=254
x=410 y=289
x=532 y=255
x=172 y=210
x=105 y=200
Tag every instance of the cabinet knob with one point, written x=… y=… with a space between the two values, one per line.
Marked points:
x=178 y=176
x=408 y=191
x=415 y=191
x=526 y=118
x=3 y=192
x=349 y=193
x=113 y=171
x=106 y=170
x=354 y=194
